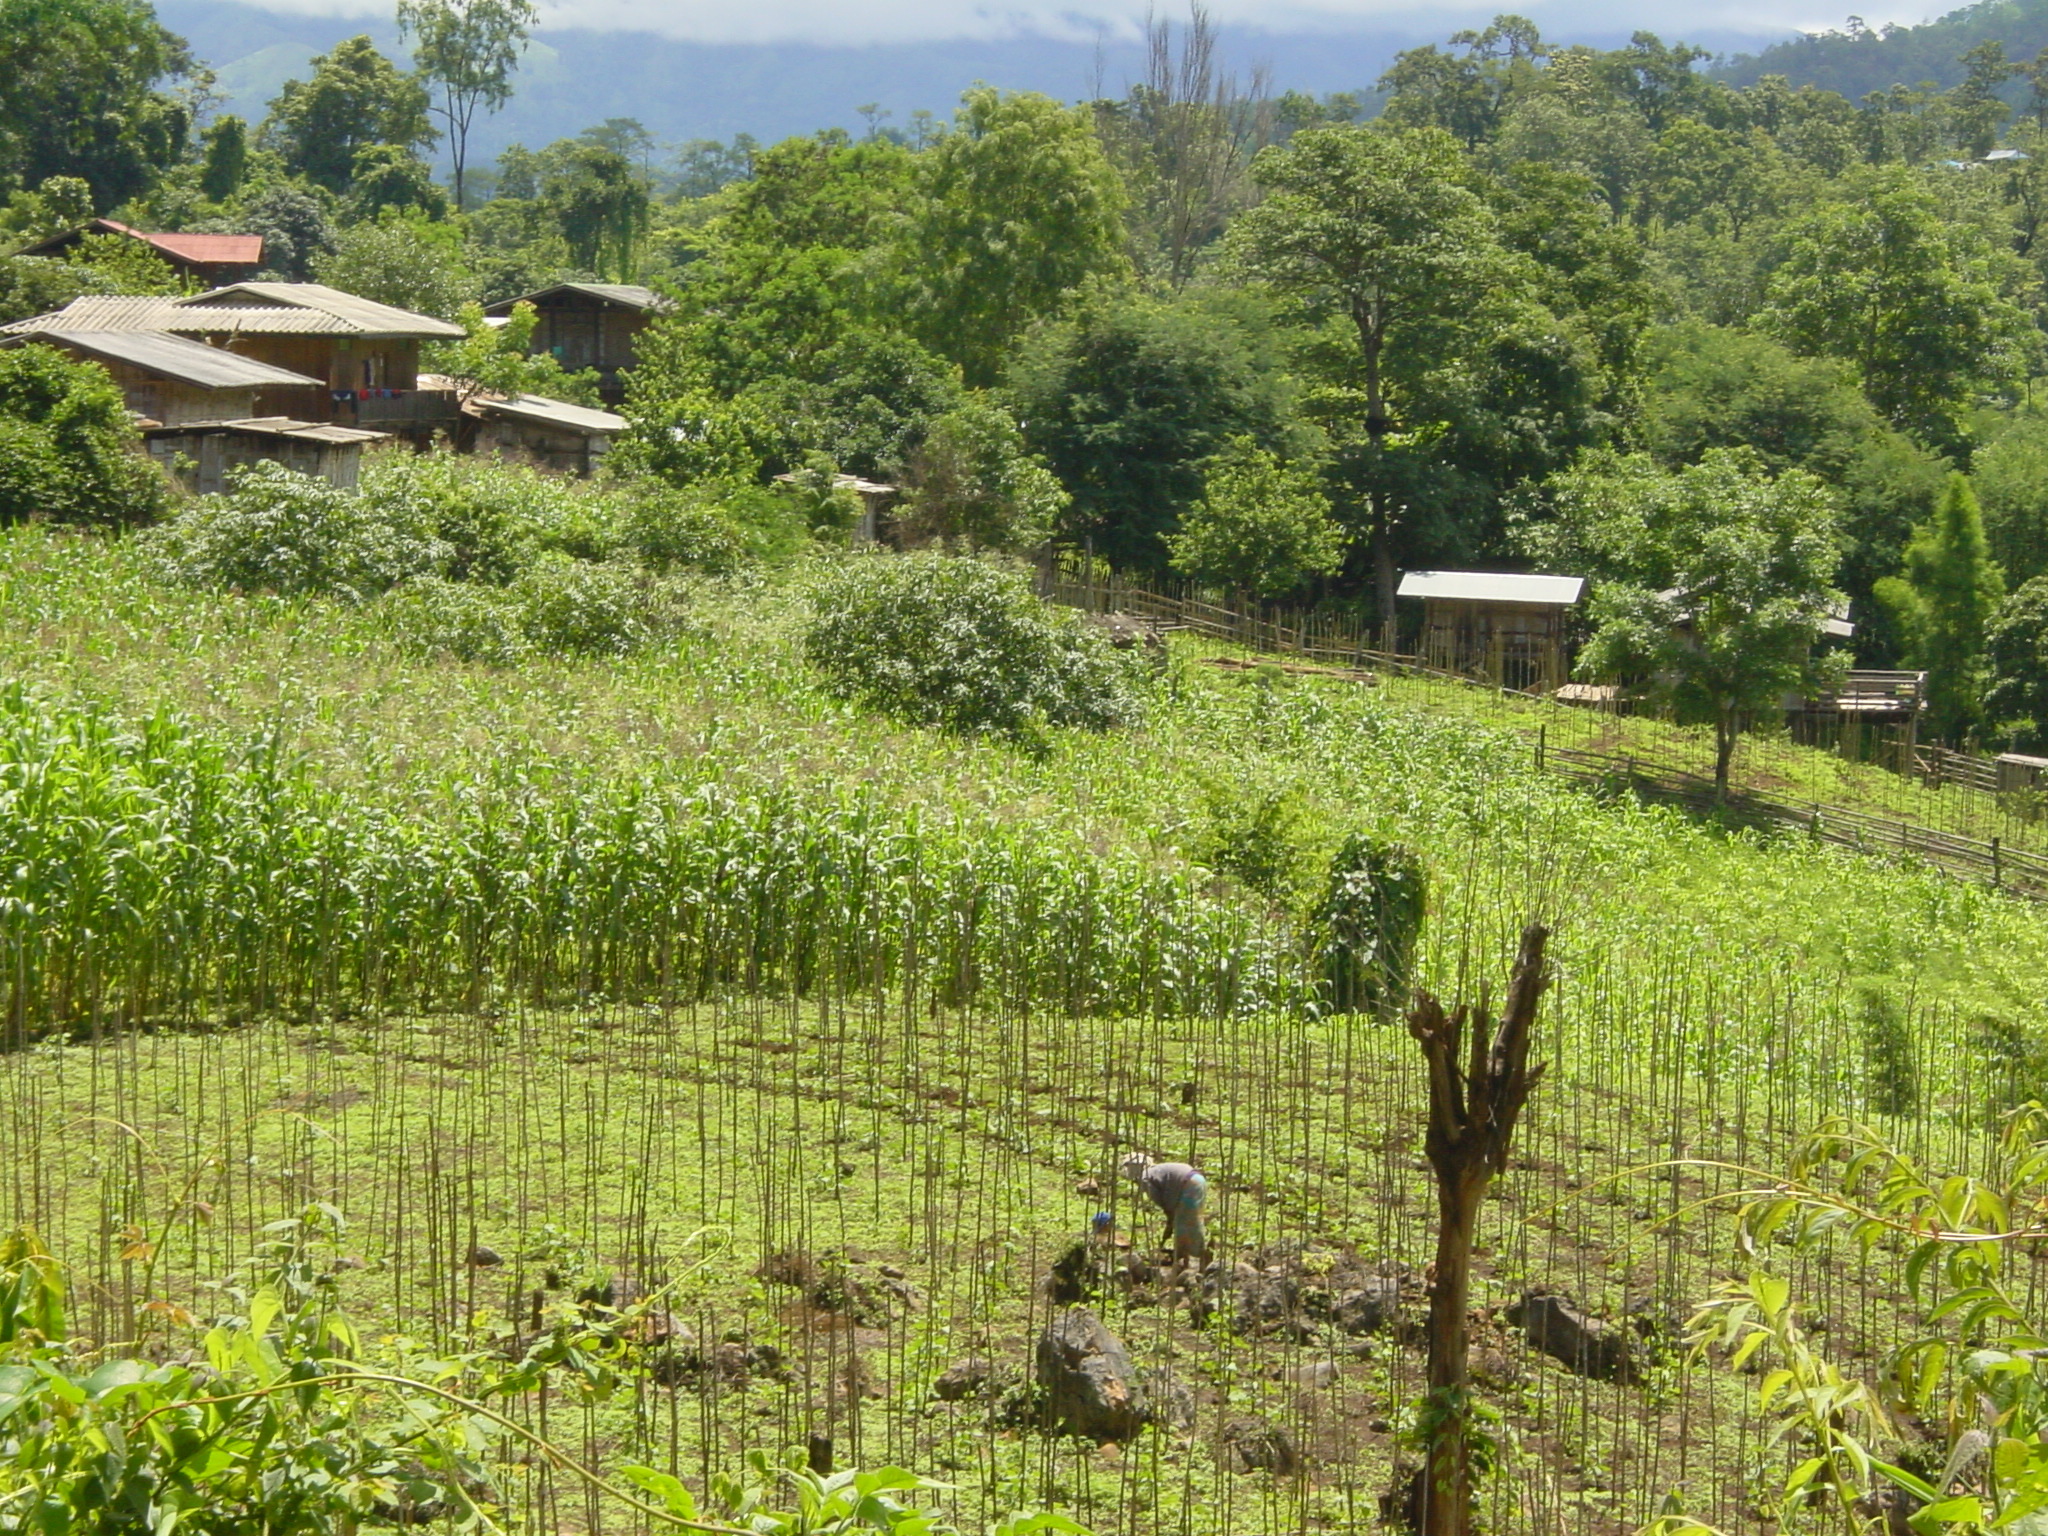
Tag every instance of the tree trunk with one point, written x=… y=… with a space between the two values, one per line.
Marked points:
x=1371 y=340
x=1724 y=753
x=1472 y=1113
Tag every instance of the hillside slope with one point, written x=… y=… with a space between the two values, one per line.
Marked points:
x=1856 y=63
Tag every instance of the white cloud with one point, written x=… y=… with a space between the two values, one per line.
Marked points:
x=1115 y=22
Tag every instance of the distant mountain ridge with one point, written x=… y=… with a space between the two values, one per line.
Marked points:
x=1857 y=63
x=572 y=79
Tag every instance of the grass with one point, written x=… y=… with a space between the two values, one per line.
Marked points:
x=1711 y=998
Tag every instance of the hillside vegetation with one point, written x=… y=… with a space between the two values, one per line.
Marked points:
x=680 y=971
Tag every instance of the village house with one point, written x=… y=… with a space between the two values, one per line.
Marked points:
x=170 y=380
x=1504 y=628
x=360 y=358
x=206 y=260
x=590 y=325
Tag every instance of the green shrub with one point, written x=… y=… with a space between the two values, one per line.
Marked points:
x=1370 y=921
x=574 y=608
x=1252 y=837
x=496 y=518
x=672 y=530
x=276 y=530
x=432 y=617
x=557 y=607
x=67 y=447
x=937 y=640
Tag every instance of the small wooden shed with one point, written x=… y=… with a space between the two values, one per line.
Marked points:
x=2018 y=773
x=169 y=379
x=1502 y=627
x=551 y=433
x=206 y=450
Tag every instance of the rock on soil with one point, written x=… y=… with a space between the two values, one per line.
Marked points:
x=970 y=1378
x=1585 y=1344
x=1089 y=1384
x=1259 y=1446
x=1172 y=1400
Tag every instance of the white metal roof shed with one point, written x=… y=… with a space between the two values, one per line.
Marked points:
x=1494 y=587
x=553 y=413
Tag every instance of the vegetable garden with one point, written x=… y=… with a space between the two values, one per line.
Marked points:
x=681 y=1061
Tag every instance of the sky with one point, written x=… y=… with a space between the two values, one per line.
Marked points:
x=868 y=22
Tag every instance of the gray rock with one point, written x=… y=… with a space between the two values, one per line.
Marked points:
x=1089 y=1385
x=1584 y=1344
x=1259 y=1446
x=970 y=1378
x=1370 y=1307
x=1172 y=1401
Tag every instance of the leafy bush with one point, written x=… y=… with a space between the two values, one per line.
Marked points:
x=433 y=617
x=495 y=518
x=1891 y=1069
x=670 y=530
x=280 y=531
x=67 y=447
x=937 y=640
x=574 y=608
x=558 y=607
x=1371 y=918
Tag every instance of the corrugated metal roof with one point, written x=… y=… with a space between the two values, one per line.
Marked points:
x=255 y=320
x=123 y=313
x=272 y=426
x=631 y=295
x=553 y=413
x=364 y=317
x=231 y=250
x=173 y=357
x=98 y=313
x=252 y=309
x=1494 y=587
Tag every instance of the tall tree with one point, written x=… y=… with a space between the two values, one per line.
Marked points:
x=355 y=98
x=1477 y=1089
x=467 y=50
x=2010 y=477
x=1947 y=597
x=1128 y=395
x=1018 y=207
x=1182 y=140
x=600 y=205
x=227 y=158
x=82 y=93
x=1908 y=297
x=1382 y=229
x=1712 y=584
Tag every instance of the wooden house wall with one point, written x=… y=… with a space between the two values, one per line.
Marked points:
x=552 y=448
x=211 y=455
x=581 y=332
x=345 y=362
x=174 y=402
x=1517 y=645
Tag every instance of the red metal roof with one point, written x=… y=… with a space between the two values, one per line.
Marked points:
x=242 y=250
